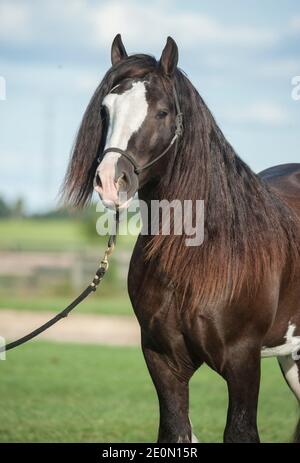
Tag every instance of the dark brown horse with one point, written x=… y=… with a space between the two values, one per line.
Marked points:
x=226 y=302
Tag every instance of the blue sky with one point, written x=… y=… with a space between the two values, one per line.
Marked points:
x=241 y=56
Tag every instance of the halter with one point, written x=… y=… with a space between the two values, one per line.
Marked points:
x=178 y=133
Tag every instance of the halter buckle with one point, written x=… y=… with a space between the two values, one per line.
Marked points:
x=179 y=124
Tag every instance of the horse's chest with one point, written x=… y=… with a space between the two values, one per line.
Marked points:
x=154 y=303
x=153 y=299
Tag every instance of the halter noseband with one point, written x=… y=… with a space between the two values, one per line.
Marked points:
x=178 y=133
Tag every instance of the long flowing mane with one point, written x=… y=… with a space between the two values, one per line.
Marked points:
x=249 y=231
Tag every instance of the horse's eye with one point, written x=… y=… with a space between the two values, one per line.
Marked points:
x=161 y=114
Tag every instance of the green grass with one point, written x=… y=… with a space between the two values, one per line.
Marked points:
x=60 y=235
x=96 y=303
x=72 y=393
x=52 y=235
x=38 y=235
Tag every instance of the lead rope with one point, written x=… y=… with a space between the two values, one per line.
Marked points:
x=92 y=287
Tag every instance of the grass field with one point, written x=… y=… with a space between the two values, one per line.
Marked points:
x=99 y=303
x=52 y=235
x=72 y=393
x=39 y=235
x=31 y=234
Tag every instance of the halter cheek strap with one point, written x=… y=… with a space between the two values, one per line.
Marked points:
x=178 y=133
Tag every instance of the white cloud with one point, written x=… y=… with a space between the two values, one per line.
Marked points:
x=259 y=113
x=14 y=21
x=142 y=24
x=152 y=23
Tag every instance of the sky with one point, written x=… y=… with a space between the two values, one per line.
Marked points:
x=241 y=55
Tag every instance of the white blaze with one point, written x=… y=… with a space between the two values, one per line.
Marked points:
x=127 y=112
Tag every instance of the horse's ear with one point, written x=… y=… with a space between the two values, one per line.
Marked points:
x=169 y=57
x=118 y=51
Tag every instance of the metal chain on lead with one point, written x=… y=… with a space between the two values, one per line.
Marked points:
x=104 y=264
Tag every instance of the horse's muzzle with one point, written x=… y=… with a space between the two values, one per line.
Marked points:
x=116 y=182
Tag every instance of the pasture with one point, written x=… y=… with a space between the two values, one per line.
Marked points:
x=106 y=305
x=31 y=236
x=70 y=393
x=53 y=392
x=77 y=233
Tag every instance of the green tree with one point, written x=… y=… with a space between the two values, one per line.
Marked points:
x=4 y=209
x=18 y=208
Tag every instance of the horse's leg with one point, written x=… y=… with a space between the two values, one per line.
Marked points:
x=291 y=370
x=173 y=396
x=242 y=373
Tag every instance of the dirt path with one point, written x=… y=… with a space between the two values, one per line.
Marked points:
x=88 y=329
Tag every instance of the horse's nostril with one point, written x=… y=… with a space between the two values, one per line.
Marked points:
x=123 y=181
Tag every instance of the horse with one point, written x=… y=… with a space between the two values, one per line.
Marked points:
x=226 y=302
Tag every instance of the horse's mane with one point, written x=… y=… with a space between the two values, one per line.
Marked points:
x=249 y=231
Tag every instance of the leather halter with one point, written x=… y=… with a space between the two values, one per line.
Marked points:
x=178 y=133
